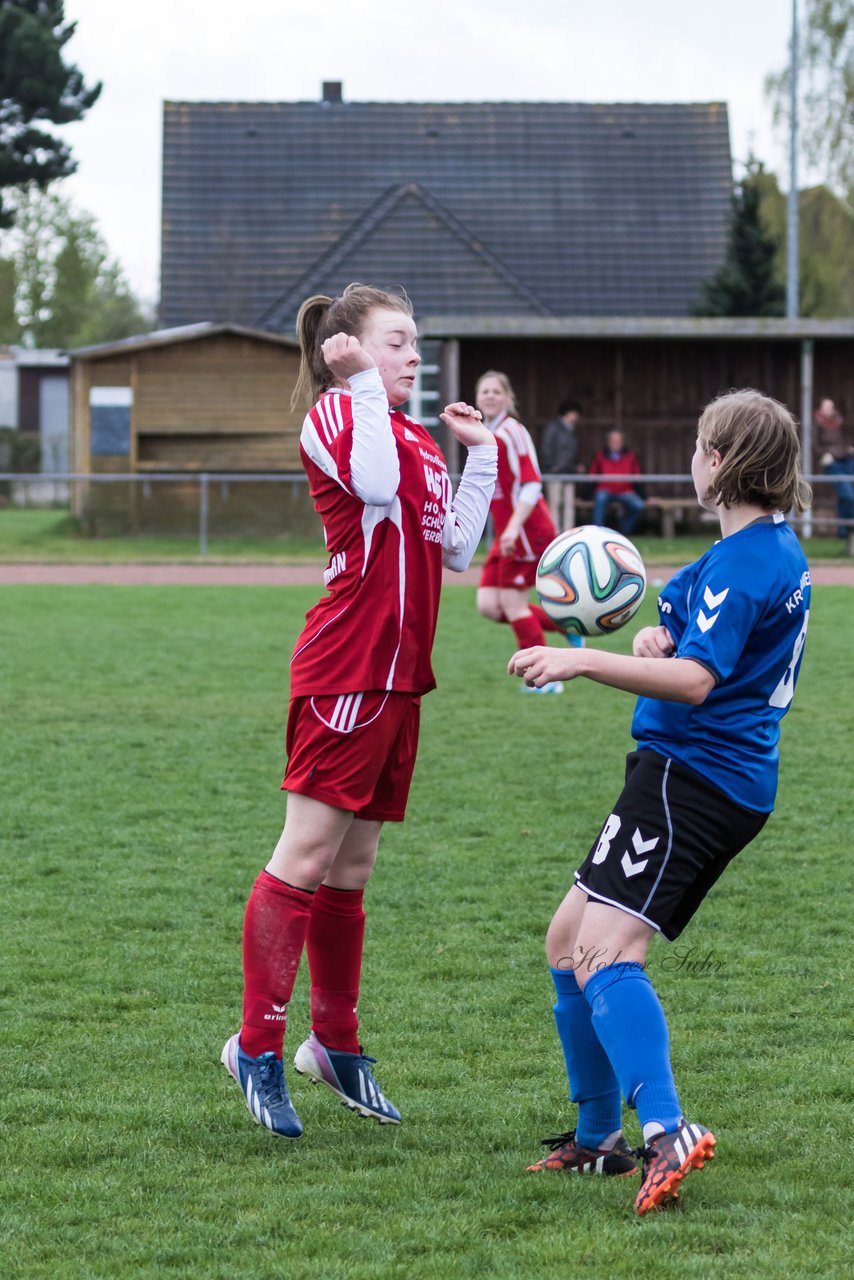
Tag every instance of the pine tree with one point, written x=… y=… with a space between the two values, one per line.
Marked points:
x=746 y=284
x=36 y=85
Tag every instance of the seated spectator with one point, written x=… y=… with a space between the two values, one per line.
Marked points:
x=836 y=458
x=616 y=460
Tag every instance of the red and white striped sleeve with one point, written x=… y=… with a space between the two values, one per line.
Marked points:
x=350 y=438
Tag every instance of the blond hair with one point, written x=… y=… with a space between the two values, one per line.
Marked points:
x=506 y=387
x=757 y=438
x=320 y=317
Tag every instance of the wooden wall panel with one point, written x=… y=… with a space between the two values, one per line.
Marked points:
x=258 y=453
x=222 y=385
x=653 y=389
x=115 y=371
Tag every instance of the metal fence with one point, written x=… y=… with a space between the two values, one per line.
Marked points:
x=264 y=504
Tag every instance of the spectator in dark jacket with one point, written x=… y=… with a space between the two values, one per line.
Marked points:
x=616 y=460
x=558 y=455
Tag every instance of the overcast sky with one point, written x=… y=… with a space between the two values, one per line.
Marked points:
x=391 y=50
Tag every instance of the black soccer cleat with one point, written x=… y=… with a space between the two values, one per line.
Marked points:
x=567 y=1155
x=666 y=1159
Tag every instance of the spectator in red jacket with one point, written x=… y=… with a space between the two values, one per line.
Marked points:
x=616 y=460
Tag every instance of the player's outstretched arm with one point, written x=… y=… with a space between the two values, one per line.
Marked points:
x=467 y=513
x=679 y=680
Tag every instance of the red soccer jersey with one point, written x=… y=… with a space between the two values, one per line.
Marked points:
x=375 y=628
x=517 y=465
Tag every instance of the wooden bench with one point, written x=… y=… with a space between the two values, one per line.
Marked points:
x=670 y=510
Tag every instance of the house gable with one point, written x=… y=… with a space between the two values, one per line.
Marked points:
x=408 y=238
x=586 y=208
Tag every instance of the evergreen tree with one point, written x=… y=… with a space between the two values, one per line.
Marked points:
x=746 y=284
x=36 y=85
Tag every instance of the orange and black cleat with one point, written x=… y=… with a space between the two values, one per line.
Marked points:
x=666 y=1159
x=567 y=1155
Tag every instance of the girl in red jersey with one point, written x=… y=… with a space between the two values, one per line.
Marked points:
x=523 y=525
x=359 y=668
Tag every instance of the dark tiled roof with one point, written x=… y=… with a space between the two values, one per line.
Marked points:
x=501 y=208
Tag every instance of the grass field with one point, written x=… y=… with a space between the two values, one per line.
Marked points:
x=141 y=754
x=53 y=536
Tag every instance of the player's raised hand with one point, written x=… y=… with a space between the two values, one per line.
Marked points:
x=466 y=424
x=653 y=642
x=345 y=355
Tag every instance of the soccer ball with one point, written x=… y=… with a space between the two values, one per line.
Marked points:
x=591 y=580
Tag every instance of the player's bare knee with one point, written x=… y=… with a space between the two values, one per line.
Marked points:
x=489 y=608
x=560 y=944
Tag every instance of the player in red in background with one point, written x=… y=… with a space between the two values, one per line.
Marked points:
x=381 y=487
x=523 y=525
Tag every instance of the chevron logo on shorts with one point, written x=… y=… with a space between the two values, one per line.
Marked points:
x=640 y=846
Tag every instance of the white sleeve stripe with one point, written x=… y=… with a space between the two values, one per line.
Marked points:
x=330 y=406
x=324 y=421
x=336 y=403
x=319 y=454
x=518 y=433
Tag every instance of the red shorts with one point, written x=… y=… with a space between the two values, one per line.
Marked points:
x=354 y=751
x=507 y=571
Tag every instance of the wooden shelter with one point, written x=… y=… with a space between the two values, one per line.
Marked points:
x=648 y=377
x=202 y=398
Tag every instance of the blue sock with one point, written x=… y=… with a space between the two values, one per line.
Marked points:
x=592 y=1083
x=630 y=1022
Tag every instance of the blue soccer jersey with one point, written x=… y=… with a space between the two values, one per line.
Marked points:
x=742 y=611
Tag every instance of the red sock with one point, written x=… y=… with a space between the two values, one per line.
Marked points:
x=528 y=631
x=334 y=947
x=274 y=930
x=543 y=618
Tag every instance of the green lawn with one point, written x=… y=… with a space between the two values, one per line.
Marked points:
x=52 y=535
x=141 y=753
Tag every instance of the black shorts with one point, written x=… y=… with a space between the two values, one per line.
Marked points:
x=669 y=838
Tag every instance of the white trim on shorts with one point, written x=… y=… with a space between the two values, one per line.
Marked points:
x=345 y=712
x=598 y=897
x=669 y=848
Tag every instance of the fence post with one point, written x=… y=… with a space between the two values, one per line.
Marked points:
x=806 y=422
x=203 y=514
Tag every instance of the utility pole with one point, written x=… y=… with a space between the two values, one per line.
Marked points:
x=792 y=236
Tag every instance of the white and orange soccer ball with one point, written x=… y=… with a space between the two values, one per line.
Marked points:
x=591 y=580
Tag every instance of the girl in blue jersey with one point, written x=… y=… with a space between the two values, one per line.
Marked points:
x=714 y=679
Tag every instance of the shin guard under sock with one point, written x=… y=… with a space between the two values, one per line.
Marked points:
x=528 y=631
x=334 y=941
x=546 y=623
x=592 y=1082
x=630 y=1023
x=274 y=930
